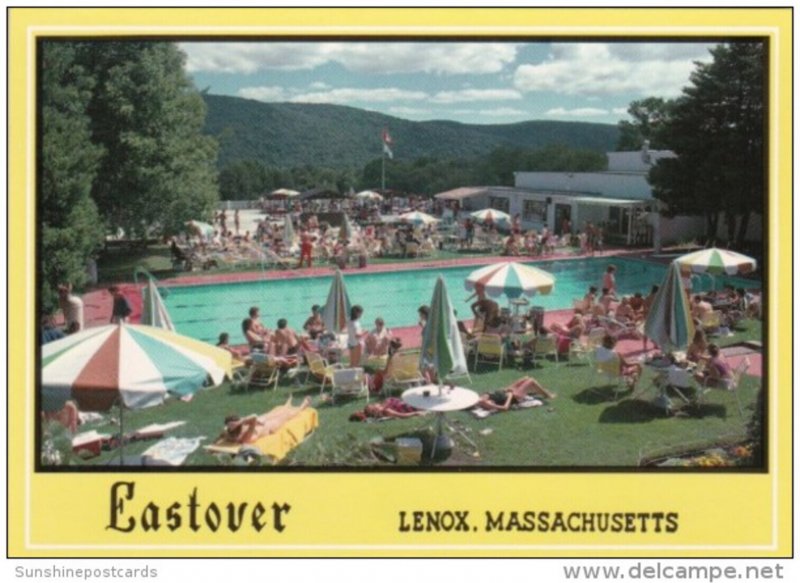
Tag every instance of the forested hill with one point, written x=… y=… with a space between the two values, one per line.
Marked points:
x=297 y=134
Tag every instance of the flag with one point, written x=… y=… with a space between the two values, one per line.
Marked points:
x=387 y=142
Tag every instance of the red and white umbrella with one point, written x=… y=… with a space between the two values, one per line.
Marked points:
x=490 y=215
x=135 y=366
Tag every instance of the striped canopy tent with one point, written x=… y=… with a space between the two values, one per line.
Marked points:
x=441 y=343
x=154 y=312
x=336 y=311
x=284 y=193
x=368 y=195
x=491 y=215
x=510 y=279
x=128 y=365
x=717 y=262
x=418 y=218
x=201 y=229
x=669 y=322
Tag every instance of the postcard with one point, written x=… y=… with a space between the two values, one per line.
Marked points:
x=396 y=282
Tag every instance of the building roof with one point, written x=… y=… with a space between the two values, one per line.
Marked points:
x=462 y=193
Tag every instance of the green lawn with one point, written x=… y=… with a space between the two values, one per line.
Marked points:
x=582 y=427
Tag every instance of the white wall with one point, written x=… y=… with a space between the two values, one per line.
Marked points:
x=632 y=186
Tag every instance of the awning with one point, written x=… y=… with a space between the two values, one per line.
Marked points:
x=461 y=193
x=602 y=201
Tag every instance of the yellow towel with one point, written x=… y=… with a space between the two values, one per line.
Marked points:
x=276 y=445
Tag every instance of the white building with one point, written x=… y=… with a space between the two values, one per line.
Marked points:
x=619 y=199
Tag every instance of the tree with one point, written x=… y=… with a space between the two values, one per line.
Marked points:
x=717 y=131
x=649 y=115
x=71 y=229
x=158 y=169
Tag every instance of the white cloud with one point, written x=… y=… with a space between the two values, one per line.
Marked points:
x=347 y=95
x=465 y=95
x=263 y=93
x=502 y=112
x=598 y=69
x=577 y=112
x=620 y=111
x=319 y=86
x=414 y=111
x=363 y=57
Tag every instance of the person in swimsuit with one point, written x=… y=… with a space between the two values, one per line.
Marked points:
x=516 y=392
x=253 y=427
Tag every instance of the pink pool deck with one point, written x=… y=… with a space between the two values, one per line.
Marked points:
x=97 y=303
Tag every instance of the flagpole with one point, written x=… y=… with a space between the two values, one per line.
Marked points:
x=383 y=171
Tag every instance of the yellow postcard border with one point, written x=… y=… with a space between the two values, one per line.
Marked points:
x=780 y=181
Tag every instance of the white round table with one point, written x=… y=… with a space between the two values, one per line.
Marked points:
x=431 y=398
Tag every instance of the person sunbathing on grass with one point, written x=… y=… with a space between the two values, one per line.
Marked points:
x=390 y=408
x=513 y=394
x=253 y=427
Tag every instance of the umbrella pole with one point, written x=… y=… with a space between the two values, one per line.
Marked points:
x=121 y=433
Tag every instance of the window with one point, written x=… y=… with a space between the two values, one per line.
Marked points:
x=534 y=210
x=498 y=204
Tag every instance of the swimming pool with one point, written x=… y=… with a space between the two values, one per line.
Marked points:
x=203 y=311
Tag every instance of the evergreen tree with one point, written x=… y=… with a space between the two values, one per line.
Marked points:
x=158 y=170
x=71 y=229
x=717 y=131
x=649 y=118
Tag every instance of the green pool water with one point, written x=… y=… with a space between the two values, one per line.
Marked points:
x=203 y=311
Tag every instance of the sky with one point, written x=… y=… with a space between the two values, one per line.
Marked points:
x=469 y=82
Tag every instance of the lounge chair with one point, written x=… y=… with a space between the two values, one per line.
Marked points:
x=490 y=348
x=264 y=373
x=349 y=382
x=610 y=368
x=546 y=346
x=320 y=370
x=403 y=372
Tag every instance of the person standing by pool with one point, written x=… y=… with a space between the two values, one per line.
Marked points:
x=72 y=308
x=121 y=309
x=610 y=280
x=355 y=334
x=236 y=221
x=306 y=248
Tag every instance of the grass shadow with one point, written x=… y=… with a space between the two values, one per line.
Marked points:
x=597 y=395
x=631 y=411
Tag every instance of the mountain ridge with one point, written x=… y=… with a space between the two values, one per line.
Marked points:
x=340 y=136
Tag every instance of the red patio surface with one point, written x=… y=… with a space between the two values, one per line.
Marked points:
x=98 y=302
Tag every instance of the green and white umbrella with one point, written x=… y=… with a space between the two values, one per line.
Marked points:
x=718 y=262
x=154 y=312
x=418 y=218
x=336 y=311
x=510 y=279
x=669 y=322
x=441 y=343
x=128 y=365
x=491 y=215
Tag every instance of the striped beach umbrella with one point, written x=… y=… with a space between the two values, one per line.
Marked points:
x=491 y=215
x=717 y=262
x=368 y=195
x=418 y=218
x=154 y=312
x=669 y=322
x=510 y=279
x=441 y=343
x=336 y=311
x=284 y=193
x=130 y=365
